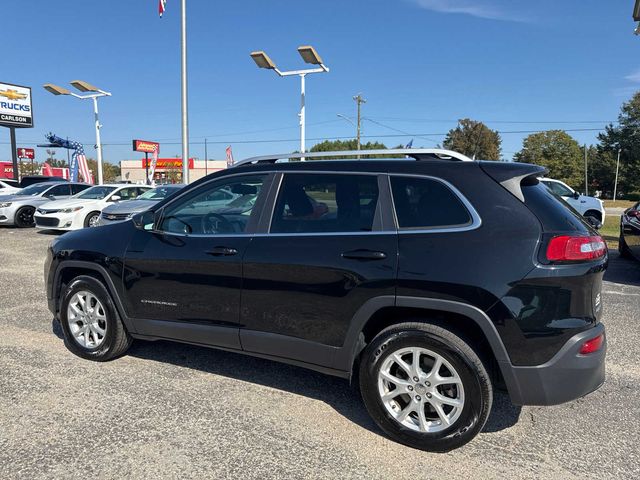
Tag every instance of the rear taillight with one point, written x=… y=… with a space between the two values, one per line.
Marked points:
x=592 y=345
x=565 y=248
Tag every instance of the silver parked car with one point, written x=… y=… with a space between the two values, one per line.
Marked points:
x=121 y=211
x=18 y=209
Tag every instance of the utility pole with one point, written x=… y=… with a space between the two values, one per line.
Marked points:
x=359 y=101
x=206 y=158
x=615 y=185
x=586 y=173
x=185 y=116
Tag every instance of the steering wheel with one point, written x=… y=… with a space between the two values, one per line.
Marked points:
x=216 y=223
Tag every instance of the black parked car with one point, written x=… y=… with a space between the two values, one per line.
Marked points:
x=629 y=242
x=430 y=281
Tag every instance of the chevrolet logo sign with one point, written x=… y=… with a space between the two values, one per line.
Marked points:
x=12 y=94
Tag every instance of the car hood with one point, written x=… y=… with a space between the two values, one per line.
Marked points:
x=67 y=203
x=23 y=199
x=590 y=202
x=14 y=198
x=130 y=206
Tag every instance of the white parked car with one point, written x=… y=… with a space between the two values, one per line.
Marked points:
x=586 y=206
x=83 y=210
x=8 y=189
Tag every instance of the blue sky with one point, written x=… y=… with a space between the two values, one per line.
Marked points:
x=421 y=65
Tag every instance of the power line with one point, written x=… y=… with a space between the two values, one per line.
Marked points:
x=284 y=140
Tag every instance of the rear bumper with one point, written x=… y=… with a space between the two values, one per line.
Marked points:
x=567 y=376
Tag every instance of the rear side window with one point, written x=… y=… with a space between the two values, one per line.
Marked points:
x=427 y=203
x=77 y=188
x=316 y=203
x=554 y=213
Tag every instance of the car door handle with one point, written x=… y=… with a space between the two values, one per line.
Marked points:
x=364 y=255
x=222 y=251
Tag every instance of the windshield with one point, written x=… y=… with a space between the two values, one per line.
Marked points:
x=158 y=193
x=95 y=193
x=35 y=189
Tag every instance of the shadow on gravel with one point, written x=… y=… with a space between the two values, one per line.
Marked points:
x=622 y=270
x=335 y=392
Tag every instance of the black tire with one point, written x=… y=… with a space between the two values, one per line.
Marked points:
x=476 y=384
x=24 y=217
x=116 y=338
x=89 y=218
x=623 y=248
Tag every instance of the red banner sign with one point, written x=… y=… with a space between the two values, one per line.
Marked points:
x=29 y=153
x=168 y=163
x=145 y=146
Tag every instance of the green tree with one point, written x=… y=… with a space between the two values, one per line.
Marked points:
x=624 y=136
x=557 y=151
x=474 y=139
x=110 y=172
x=342 y=145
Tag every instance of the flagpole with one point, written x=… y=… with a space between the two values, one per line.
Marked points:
x=185 y=124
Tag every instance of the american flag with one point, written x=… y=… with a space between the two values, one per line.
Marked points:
x=161 y=6
x=79 y=164
x=229 y=157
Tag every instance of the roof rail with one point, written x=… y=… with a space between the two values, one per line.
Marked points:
x=416 y=153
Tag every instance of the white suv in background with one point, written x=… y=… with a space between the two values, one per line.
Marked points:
x=83 y=210
x=586 y=206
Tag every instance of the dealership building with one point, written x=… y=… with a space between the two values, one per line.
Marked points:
x=169 y=170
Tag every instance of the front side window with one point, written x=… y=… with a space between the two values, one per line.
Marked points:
x=128 y=193
x=423 y=203
x=60 y=190
x=222 y=207
x=96 y=193
x=317 y=203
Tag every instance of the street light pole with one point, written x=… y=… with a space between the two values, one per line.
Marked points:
x=94 y=94
x=309 y=55
x=185 y=117
x=98 y=142
x=302 y=115
x=615 y=184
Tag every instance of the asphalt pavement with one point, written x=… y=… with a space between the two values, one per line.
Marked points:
x=175 y=411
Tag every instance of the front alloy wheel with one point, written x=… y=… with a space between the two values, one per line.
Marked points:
x=87 y=319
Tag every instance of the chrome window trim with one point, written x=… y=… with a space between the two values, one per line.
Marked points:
x=476 y=221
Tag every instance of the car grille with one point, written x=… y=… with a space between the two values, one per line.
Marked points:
x=46 y=221
x=45 y=211
x=115 y=216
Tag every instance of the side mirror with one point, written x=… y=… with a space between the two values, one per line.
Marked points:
x=594 y=222
x=576 y=195
x=116 y=198
x=145 y=220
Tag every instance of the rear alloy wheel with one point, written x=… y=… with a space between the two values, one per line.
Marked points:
x=24 y=217
x=92 y=219
x=425 y=386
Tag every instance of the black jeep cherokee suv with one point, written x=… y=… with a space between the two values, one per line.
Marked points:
x=432 y=279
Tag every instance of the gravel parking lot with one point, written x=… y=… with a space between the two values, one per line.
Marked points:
x=169 y=410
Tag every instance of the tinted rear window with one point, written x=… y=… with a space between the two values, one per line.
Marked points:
x=554 y=213
x=427 y=203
